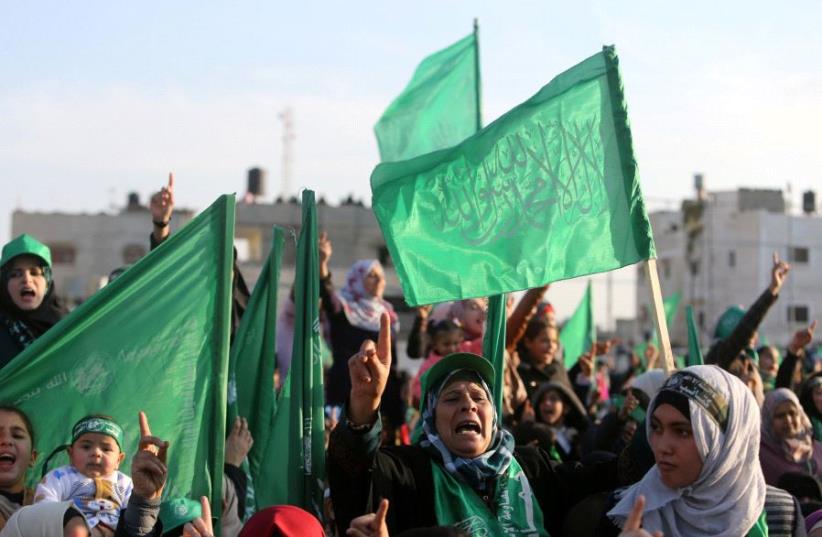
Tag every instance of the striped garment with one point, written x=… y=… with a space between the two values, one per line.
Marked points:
x=783 y=514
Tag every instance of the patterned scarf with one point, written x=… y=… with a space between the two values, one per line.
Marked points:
x=798 y=448
x=477 y=472
x=19 y=332
x=361 y=309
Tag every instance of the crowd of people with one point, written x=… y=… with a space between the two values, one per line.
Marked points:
x=613 y=445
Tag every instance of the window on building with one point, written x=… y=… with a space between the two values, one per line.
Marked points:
x=384 y=256
x=132 y=253
x=701 y=319
x=62 y=253
x=799 y=314
x=694 y=268
x=799 y=254
x=732 y=258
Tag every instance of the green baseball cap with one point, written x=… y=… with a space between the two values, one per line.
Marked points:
x=25 y=244
x=455 y=362
x=728 y=321
x=178 y=511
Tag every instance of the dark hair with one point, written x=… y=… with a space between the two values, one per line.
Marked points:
x=23 y=416
x=536 y=325
x=441 y=327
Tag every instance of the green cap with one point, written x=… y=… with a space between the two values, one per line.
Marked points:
x=455 y=362
x=25 y=244
x=178 y=511
x=728 y=321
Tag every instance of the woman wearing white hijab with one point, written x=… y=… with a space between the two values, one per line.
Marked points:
x=703 y=429
x=47 y=519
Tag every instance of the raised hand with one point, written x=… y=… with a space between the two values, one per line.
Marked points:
x=633 y=524
x=370 y=525
x=148 y=468
x=802 y=339
x=238 y=443
x=369 y=373
x=325 y=251
x=202 y=525
x=162 y=208
x=779 y=272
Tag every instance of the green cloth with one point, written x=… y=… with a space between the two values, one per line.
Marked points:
x=296 y=476
x=728 y=321
x=547 y=192
x=493 y=345
x=25 y=244
x=694 y=347
x=98 y=426
x=437 y=109
x=760 y=529
x=178 y=511
x=580 y=332
x=517 y=511
x=156 y=339
x=671 y=306
x=251 y=366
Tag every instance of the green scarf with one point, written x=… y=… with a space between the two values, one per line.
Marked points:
x=517 y=511
x=760 y=529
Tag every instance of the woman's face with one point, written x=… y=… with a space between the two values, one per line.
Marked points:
x=543 y=347
x=672 y=442
x=16 y=452
x=552 y=408
x=786 y=421
x=374 y=282
x=27 y=283
x=464 y=418
x=473 y=316
x=446 y=343
x=767 y=362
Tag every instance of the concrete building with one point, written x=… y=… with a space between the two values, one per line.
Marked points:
x=717 y=251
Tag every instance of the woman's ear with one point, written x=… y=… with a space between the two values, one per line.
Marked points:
x=33 y=458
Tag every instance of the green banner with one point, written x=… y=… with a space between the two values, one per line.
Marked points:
x=296 y=475
x=493 y=344
x=155 y=339
x=548 y=191
x=437 y=109
x=252 y=363
x=580 y=331
x=694 y=348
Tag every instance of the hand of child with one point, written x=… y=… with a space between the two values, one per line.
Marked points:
x=370 y=525
x=200 y=526
x=238 y=443
x=148 y=468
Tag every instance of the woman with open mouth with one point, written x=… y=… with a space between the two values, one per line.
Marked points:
x=465 y=471
x=28 y=302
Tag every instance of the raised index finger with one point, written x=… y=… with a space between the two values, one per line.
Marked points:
x=812 y=327
x=381 y=512
x=384 y=340
x=145 y=430
x=171 y=181
x=634 y=520
x=206 y=508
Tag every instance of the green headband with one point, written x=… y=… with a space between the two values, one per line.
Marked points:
x=100 y=426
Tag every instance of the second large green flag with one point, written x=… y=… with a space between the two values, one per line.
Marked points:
x=548 y=191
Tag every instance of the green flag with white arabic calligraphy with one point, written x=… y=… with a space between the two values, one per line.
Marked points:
x=156 y=339
x=437 y=109
x=548 y=191
x=298 y=436
x=252 y=364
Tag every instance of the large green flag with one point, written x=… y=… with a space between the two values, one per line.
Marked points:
x=252 y=363
x=296 y=476
x=437 y=109
x=580 y=331
x=694 y=348
x=155 y=339
x=548 y=191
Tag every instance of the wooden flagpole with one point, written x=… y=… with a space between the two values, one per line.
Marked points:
x=659 y=318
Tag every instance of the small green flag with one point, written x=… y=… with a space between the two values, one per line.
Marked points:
x=252 y=363
x=671 y=306
x=298 y=437
x=437 y=109
x=694 y=348
x=155 y=339
x=547 y=192
x=580 y=332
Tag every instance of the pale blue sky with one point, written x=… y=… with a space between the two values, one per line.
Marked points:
x=100 y=98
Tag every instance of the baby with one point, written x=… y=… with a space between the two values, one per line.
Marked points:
x=92 y=480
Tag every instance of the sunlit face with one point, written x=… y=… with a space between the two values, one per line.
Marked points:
x=75 y=527
x=672 y=442
x=786 y=421
x=464 y=418
x=374 y=282
x=27 y=283
x=95 y=455
x=16 y=453
x=552 y=408
x=446 y=343
x=474 y=311
x=767 y=362
x=543 y=347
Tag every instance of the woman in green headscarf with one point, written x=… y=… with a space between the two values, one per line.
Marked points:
x=28 y=303
x=464 y=472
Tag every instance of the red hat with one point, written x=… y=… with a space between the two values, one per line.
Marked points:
x=286 y=520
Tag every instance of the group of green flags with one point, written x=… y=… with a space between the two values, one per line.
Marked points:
x=549 y=191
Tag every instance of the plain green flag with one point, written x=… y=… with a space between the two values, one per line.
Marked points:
x=671 y=306
x=493 y=344
x=694 y=348
x=580 y=332
x=251 y=365
x=437 y=109
x=297 y=474
x=156 y=339
x=548 y=191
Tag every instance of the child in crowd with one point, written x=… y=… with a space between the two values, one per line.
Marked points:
x=446 y=338
x=91 y=480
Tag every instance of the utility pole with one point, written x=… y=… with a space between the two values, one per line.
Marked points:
x=289 y=135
